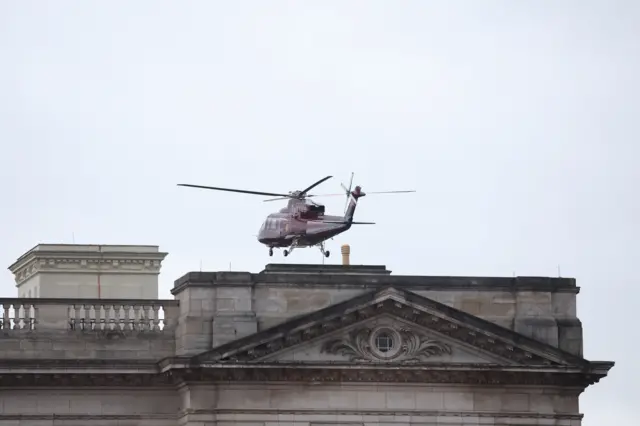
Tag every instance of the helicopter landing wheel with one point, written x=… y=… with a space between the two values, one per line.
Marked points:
x=286 y=253
x=270 y=252
x=327 y=253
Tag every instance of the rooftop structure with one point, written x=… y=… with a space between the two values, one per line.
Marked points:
x=91 y=271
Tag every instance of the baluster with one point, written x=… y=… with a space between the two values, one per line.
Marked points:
x=103 y=315
x=34 y=316
x=19 y=320
x=136 y=317
x=91 y=316
x=71 y=320
x=110 y=316
x=25 y=316
x=6 y=319
x=120 y=313
x=156 y=320
x=128 y=324
x=98 y=322
x=145 y=318
x=15 y=324
x=78 y=318
x=17 y=316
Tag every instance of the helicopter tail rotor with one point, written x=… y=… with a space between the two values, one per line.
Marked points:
x=348 y=193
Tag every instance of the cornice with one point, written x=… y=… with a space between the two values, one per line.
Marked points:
x=419 y=416
x=274 y=415
x=69 y=263
x=317 y=278
x=109 y=380
x=446 y=374
x=77 y=366
x=176 y=374
x=56 y=418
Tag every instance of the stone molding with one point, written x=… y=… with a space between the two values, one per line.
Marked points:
x=71 y=365
x=319 y=278
x=276 y=415
x=176 y=374
x=251 y=414
x=56 y=418
x=475 y=375
x=98 y=380
x=106 y=263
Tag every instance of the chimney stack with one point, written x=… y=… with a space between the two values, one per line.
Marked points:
x=346 y=250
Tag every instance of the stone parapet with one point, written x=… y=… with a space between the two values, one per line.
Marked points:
x=87 y=328
x=371 y=277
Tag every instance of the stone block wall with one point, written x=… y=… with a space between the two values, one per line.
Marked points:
x=90 y=345
x=376 y=404
x=290 y=405
x=89 y=407
x=218 y=307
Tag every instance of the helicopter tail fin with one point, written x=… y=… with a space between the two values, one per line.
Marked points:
x=352 y=199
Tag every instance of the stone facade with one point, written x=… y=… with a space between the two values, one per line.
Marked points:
x=302 y=345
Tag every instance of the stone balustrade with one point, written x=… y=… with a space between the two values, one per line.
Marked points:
x=87 y=314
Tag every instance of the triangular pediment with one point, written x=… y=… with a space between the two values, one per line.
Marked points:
x=390 y=326
x=384 y=339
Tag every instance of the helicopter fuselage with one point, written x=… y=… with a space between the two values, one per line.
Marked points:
x=282 y=230
x=301 y=224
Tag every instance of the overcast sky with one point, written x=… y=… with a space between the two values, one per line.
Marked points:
x=516 y=122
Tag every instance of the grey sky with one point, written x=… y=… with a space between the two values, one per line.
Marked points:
x=515 y=121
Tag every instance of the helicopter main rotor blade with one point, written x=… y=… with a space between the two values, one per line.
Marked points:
x=367 y=192
x=279 y=198
x=390 y=192
x=304 y=192
x=270 y=194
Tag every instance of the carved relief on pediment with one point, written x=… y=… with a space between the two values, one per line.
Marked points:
x=386 y=343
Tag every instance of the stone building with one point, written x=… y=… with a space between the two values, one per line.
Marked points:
x=296 y=345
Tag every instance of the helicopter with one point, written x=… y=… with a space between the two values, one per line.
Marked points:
x=303 y=223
